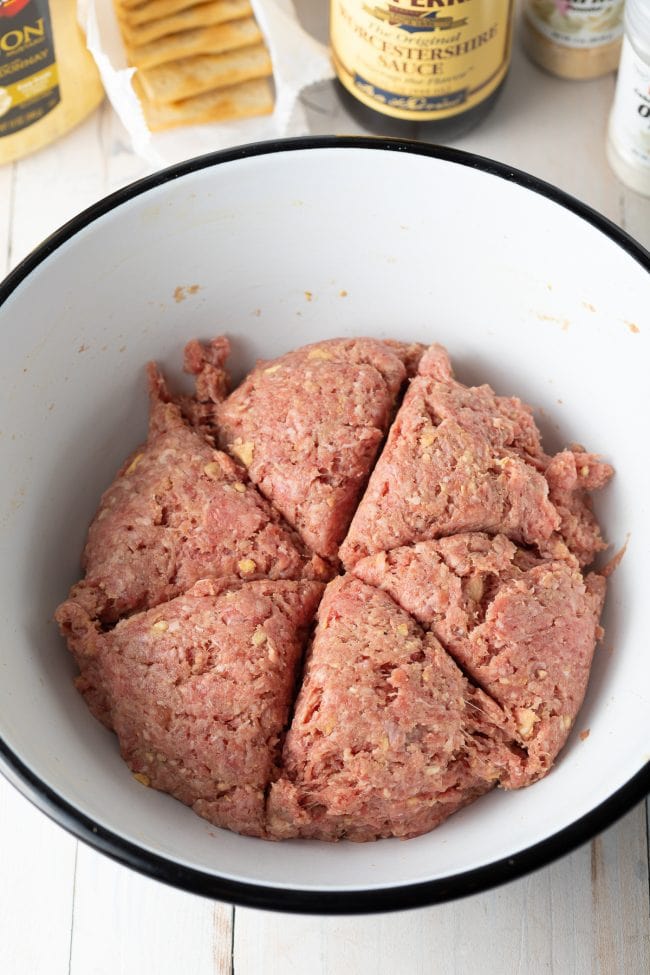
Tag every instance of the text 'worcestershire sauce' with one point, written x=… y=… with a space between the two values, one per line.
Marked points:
x=406 y=62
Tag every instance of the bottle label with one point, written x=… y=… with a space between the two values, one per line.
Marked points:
x=578 y=23
x=629 y=125
x=29 y=80
x=421 y=60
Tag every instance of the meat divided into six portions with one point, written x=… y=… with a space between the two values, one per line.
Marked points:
x=451 y=653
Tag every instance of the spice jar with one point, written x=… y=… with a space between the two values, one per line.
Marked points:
x=628 y=137
x=48 y=80
x=576 y=39
x=437 y=62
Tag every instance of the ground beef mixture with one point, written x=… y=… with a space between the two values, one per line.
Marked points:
x=452 y=656
x=462 y=459
x=307 y=427
x=523 y=628
x=179 y=511
x=386 y=739
x=198 y=690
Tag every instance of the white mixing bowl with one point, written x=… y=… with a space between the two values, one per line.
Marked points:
x=287 y=243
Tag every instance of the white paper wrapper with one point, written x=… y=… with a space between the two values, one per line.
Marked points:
x=298 y=61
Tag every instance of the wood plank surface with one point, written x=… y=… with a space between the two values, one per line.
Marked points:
x=587 y=914
x=6 y=215
x=125 y=923
x=635 y=216
x=37 y=866
x=56 y=183
x=66 y=910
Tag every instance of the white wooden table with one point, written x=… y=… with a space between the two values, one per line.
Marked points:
x=66 y=909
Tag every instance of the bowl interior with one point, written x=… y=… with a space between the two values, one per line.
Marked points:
x=278 y=250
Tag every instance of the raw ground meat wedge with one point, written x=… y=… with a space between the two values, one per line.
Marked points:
x=179 y=511
x=387 y=737
x=461 y=459
x=409 y=352
x=308 y=426
x=198 y=690
x=571 y=475
x=207 y=363
x=522 y=627
x=81 y=632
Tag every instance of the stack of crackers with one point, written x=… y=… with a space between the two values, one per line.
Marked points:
x=197 y=60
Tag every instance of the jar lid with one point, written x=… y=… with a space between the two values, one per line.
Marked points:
x=637 y=19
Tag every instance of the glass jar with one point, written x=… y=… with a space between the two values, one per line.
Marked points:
x=628 y=135
x=572 y=38
x=48 y=79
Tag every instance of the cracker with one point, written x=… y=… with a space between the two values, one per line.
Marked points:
x=203 y=15
x=204 y=72
x=224 y=104
x=140 y=11
x=202 y=40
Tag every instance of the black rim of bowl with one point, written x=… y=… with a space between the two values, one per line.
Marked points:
x=297 y=899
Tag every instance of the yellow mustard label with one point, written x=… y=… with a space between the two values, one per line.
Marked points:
x=31 y=87
x=421 y=60
x=29 y=78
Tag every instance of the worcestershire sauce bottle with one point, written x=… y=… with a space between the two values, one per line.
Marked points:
x=439 y=62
